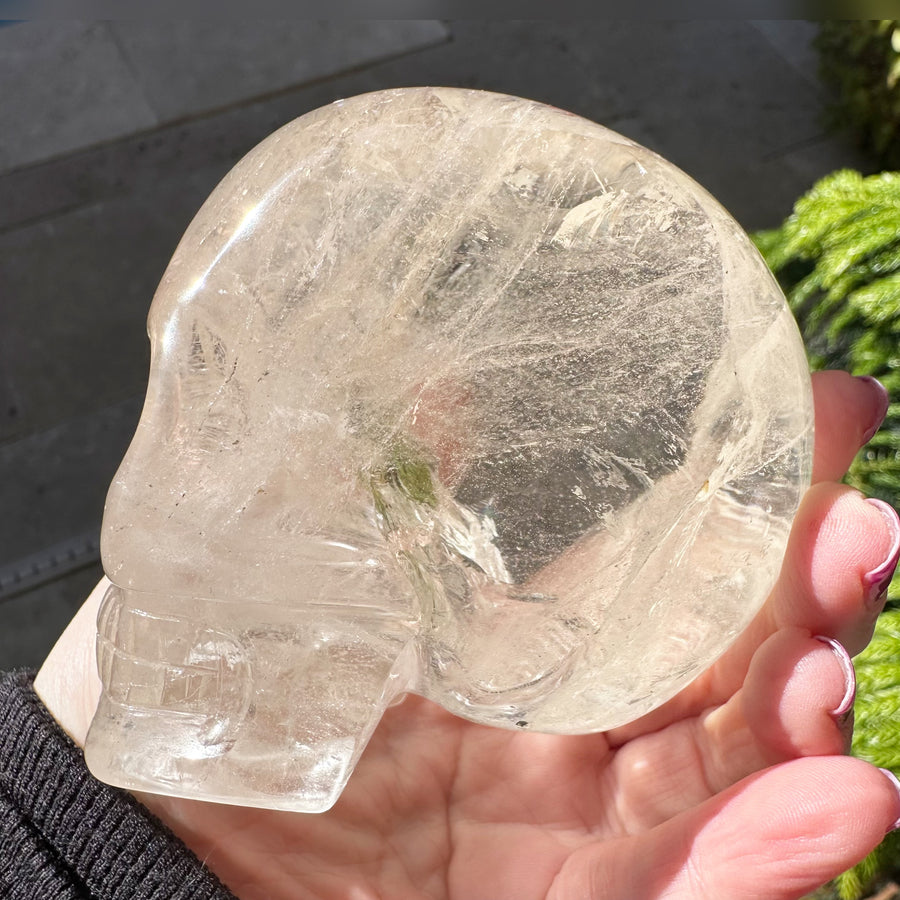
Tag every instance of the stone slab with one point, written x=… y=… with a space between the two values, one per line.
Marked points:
x=65 y=85
x=76 y=292
x=31 y=623
x=55 y=482
x=97 y=82
x=793 y=40
x=190 y=67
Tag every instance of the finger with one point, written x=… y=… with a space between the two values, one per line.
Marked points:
x=848 y=412
x=814 y=679
x=784 y=832
x=797 y=700
x=840 y=558
x=774 y=836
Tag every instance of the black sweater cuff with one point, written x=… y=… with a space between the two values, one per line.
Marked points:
x=66 y=836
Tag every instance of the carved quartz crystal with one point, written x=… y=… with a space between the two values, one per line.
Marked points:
x=451 y=393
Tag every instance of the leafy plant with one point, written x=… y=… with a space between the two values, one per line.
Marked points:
x=860 y=59
x=876 y=738
x=838 y=258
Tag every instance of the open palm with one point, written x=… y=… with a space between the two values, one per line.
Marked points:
x=737 y=788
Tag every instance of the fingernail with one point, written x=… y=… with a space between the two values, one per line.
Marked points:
x=882 y=401
x=896 y=785
x=846 y=704
x=876 y=582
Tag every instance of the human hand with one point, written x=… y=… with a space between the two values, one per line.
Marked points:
x=735 y=788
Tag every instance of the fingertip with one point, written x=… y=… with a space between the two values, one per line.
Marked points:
x=798 y=696
x=848 y=412
x=838 y=561
x=894 y=782
x=880 y=400
x=848 y=674
x=876 y=580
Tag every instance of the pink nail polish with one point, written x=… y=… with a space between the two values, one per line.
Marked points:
x=876 y=582
x=896 y=785
x=846 y=704
x=882 y=400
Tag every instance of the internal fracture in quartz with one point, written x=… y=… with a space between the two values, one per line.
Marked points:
x=452 y=393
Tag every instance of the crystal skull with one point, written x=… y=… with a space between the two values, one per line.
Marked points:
x=451 y=393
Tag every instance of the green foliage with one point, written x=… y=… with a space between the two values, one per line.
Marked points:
x=838 y=259
x=860 y=59
x=876 y=738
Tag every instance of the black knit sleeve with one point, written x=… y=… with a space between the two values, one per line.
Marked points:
x=66 y=836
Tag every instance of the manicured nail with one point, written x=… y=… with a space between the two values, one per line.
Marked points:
x=876 y=582
x=882 y=401
x=896 y=785
x=846 y=704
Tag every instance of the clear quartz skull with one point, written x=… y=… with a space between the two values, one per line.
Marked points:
x=451 y=393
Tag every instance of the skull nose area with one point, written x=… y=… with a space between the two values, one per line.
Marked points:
x=259 y=709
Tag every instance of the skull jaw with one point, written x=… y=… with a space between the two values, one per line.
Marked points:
x=271 y=717
x=168 y=756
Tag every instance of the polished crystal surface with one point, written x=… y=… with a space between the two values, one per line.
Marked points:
x=452 y=393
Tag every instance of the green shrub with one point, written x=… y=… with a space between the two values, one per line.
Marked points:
x=838 y=259
x=860 y=60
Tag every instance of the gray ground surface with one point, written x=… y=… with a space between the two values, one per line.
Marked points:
x=113 y=134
